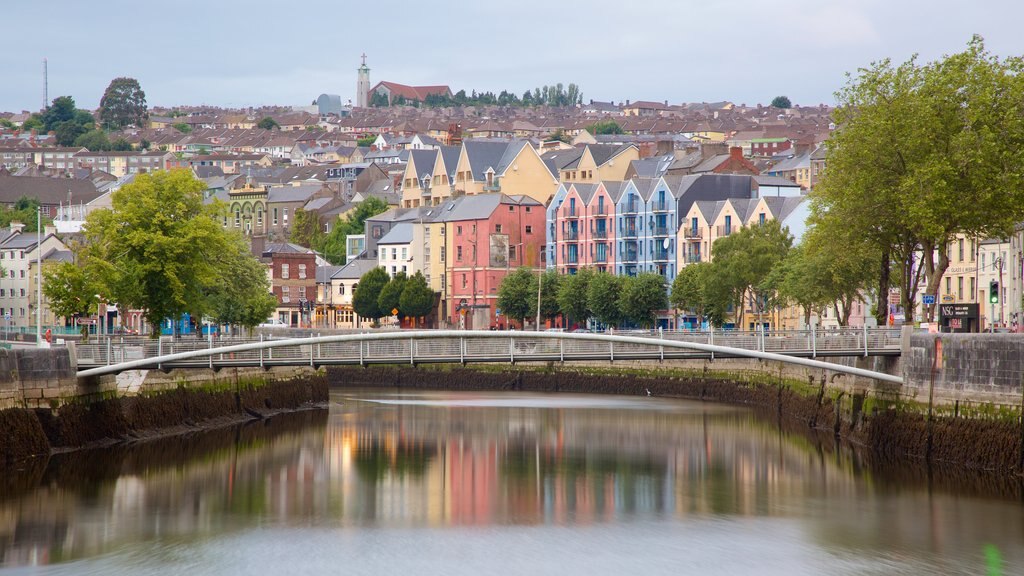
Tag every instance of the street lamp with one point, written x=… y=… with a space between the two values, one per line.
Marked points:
x=39 y=276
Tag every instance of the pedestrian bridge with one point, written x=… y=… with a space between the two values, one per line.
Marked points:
x=114 y=355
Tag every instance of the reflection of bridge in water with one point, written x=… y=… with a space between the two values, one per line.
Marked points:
x=112 y=356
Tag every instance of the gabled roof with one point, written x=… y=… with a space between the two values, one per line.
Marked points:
x=484 y=155
x=585 y=192
x=424 y=161
x=299 y=193
x=285 y=248
x=696 y=187
x=324 y=273
x=399 y=234
x=354 y=269
x=412 y=92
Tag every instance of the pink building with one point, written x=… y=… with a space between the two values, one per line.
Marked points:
x=486 y=236
x=585 y=230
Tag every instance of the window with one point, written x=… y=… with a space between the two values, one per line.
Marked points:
x=259 y=217
x=960 y=286
x=960 y=249
x=3 y=292
x=21 y=312
x=760 y=218
x=302 y=292
x=458 y=230
x=405 y=253
x=497 y=228
x=284 y=271
x=463 y=280
x=511 y=252
x=728 y=225
x=529 y=229
x=341 y=289
x=528 y=209
x=238 y=218
x=284 y=215
x=22 y=272
x=302 y=270
x=22 y=292
x=394 y=253
x=458 y=253
x=949 y=285
x=972 y=286
x=21 y=255
x=274 y=219
x=444 y=251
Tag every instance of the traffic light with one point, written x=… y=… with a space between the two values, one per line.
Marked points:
x=993 y=292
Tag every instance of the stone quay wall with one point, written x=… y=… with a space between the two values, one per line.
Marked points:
x=964 y=368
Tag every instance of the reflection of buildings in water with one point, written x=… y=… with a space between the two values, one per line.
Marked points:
x=231 y=476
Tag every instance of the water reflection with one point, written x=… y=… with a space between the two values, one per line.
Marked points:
x=462 y=466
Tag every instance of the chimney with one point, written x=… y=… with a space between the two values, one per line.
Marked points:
x=16 y=226
x=736 y=153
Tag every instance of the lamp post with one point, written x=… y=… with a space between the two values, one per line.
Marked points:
x=39 y=276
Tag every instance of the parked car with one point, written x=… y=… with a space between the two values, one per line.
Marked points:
x=273 y=323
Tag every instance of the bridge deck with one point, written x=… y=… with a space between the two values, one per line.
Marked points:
x=423 y=347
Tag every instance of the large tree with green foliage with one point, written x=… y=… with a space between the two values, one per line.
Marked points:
x=417 y=298
x=240 y=294
x=781 y=102
x=642 y=296
x=332 y=246
x=25 y=211
x=572 y=296
x=70 y=291
x=306 y=230
x=549 y=284
x=158 y=247
x=603 y=298
x=365 y=298
x=742 y=261
x=923 y=152
x=517 y=295
x=689 y=287
x=390 y=295
x=123 y=104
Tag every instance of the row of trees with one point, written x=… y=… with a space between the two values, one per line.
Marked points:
x=123 y=104
x=608 y=299
x=556 y=95
x=160 y=249
x=377 y=295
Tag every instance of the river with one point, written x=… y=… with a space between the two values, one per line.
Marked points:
x=501 y=483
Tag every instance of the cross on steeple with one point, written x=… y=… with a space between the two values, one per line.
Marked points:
x=364 y=58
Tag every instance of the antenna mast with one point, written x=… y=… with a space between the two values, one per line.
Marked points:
x=46 y=86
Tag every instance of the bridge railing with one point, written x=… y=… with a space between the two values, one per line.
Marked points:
x=115 y=350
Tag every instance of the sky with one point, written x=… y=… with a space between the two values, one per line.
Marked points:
x=261 y=52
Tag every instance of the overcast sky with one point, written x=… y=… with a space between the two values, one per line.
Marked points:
x=255 y=52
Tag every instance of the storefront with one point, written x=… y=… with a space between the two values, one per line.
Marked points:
x=959 y=318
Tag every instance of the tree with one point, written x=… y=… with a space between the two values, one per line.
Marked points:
x=689 y=287
x=34 y=122
x=549 y=283
x=913 y=141
x=417 y=298
x=67 y=132
x=642 y=296
x=517 y=295
x=306 y=230
x=61 y=110
x=94 y=141
x=268 y=123
x=24 y=211
x=781 y=102
x=157 y=248
x=391 y=295
x=572 y=296
x=603 y=294
x=182 y=127
x=605 y=127
x=70 y=292
x=561 y=136
x=123 y=104
x=241 y=293
x=332 y=246
x=742 y=261
x=366 y=141
x=121 y=145
x=364 y=300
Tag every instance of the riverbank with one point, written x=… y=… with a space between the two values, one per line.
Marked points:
x=110 y=419
x=886 y=423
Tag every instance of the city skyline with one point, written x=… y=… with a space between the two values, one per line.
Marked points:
x=691 y=52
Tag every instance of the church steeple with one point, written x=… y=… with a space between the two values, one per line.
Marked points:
x=363 y=85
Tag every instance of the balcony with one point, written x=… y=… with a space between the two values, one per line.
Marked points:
x=571 y=214
x=628 y=256
x=571 y=235
x=692 y=258
x=630 y=233
x=661 y=207
x=693 y=233
x=601 y=234
x=572 y=259
x=662 y=255
x=601 y=211
x=662 y=231
x=725 y=230
x=601 y=258
x=631 y=208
